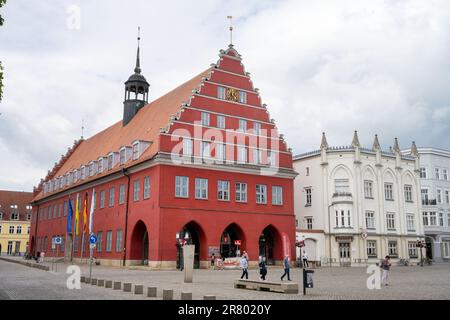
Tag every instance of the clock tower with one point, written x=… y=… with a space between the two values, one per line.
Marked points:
x=136 y=91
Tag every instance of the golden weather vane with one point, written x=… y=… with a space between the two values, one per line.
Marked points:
x=231 y=28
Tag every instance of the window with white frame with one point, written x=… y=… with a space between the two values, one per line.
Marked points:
x=123 y=155
x=277 y=195
x=390 y=220
x=412 y=249
x=28 y=231
x=14 y=216
x=83 y=172
x=271 y=158
x=441 y=219
x=11 y=229
x=136 y=190
x=447 y=196
x=370 y=220
x=0 y=229
x=221 y=93
x=410 y=222
x=242 y=154
x=433 y=218
x=201 y=188
x=181 y=187
x=19 y=230
x=102 y=199
x=389 y=191
x=111 y=197
x=119 y=240
x=446 y=249
x=205 y=119
x=99 y=241
x=223 y=190
x=371 y=248
x=110 y=161
x=122 y=194
x=100 y=165
x=242 y=125
x=309 y=223
x=437 y=173
x=241 y=192
x=220 y=151
x=392 y=248
x=341 y=186
x=343 y=219
x=368 y=189
x=439 y=196
x=423 y=173
x=257 y=156
x=242 y=97
x=206 y=152
x=108 y=241
x=424 y=196
x=426 y=218
x=135 y=151
x=261 y=194
x=408 y=193
x=308 y=193
x=257 y=128
x=146 y=187
x=445 y=174
x=220 y=122
x=187 y=147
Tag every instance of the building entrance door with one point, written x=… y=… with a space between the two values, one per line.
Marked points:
x=344 y=254
x=10 y=248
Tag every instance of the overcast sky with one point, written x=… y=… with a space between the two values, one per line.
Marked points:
x=335 y=66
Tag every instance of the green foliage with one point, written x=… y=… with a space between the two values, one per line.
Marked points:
x=2 y=3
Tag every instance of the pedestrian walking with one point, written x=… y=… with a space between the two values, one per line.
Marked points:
x=286 y=268
x=41 y=257
x=263 y=269
x=244 y=267
x=305 y=259
x=386 y=266
x=213 y=261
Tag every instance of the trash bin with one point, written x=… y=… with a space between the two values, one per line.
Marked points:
x=309 y=279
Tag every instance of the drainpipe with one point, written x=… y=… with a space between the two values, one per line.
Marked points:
x=35 y=230
x=125 y=173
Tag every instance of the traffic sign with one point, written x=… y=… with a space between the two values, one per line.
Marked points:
x=92 y=245
x=92 y=239
x=57 y=240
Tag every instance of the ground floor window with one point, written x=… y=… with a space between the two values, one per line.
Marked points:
x=108 y=241
x=371 y=249
x=412 y=250
x=392 y=248
x=446 y=249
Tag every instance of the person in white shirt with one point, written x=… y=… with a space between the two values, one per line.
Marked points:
x=305 y=259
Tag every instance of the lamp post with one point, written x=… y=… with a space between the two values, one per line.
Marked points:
x=329 y=230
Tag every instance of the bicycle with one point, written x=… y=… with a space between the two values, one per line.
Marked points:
x=403 y=262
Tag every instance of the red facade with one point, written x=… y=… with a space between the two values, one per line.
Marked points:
x=149 y=227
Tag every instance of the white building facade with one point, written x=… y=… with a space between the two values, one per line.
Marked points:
x=435 y=194
x=355 y=205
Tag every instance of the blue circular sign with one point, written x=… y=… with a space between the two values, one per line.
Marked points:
x=92 y=238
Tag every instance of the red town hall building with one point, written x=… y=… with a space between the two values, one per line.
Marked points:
x=203 y=164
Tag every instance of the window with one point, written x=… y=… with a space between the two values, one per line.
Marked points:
x=271 y=158
x=308 y=192
x=277 y=195
x=412 y=250
x=83 y=172
x=205 y=119
x=108 y=241
x=424 y=196
x=388 y=191
x=390 y=221
x=408 y=193
x=441 y=219
x=60 y=210
x=99 y=241
x=136 y=190
x=54 y=211
x=19 y=230
x=444 y=174
x=242 y=154
x=371 y=249
x=221 y=93
x=29 y=216
x=439 y=196
x=446 y=249
x=28 y=230
x=187 y=147
x=343 y=219
x=206 y=152
x=242 y=97
x=102 y=199
x=257 y=156
x=257 y=128
x=11 y=229
x=111 y=196
x=91 y=169
x=100 y=165
x=392 y=248
x=261 y=194
x=220 y=151
x=135 y=152
x=448 y=220
x=110 y=161
x=341 y=186
x=181 y=187
x=0 y=229
x=437 y=173
x=410 y=223
x=221 y=122
x=447 y=196
x=423 y=173
x=122 y=194
x=370 y=220
x=433 y=220
x=242 y=125
x=241 y=192
x=95 y=200
x=223 y=190
x=14 y=216
x=119 y=240
x=368 y=189
x=307 y=171
x=426 y=220
x=123 y=156
x=309 y=223
x=201 y=188
x=146 y=187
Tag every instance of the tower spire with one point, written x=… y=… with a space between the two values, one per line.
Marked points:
x=355 y=141
x=138 y=60
x=324 y=143
x=231 y=29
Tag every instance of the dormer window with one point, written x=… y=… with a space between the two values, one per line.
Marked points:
x=125 y=153
x=91 y=169
x=61 y=182
x=100 y=165
x=83 y=172
x=110 y=161
x=28 y=207
x=136 y=146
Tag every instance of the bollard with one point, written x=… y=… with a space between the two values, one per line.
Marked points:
x=127 y=287
x=82 y=279
x=167 y=294
x=186 y=295
x=101 y=282
x=93 y=281
x=117 y=285
x=209 y=297
x=138 y=289
x=108 y=284
x=151 y=292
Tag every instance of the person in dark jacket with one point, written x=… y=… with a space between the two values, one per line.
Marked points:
x=263 y=269
x=286 y=268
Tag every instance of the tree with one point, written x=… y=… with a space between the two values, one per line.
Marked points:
x=2 y=3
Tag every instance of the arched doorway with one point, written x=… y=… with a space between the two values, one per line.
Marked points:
x=270 y=245
x=139 y=243
x=232 y=241
x=191 y=233
x=310 y=249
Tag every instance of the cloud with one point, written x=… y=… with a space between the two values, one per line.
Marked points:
x=335 y=66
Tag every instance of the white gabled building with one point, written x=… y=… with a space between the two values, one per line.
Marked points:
x=356 y=205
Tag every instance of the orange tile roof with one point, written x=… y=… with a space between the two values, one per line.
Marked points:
x=19 y=198
x=145 y=126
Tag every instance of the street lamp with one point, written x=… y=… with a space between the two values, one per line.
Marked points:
x=420 y=245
